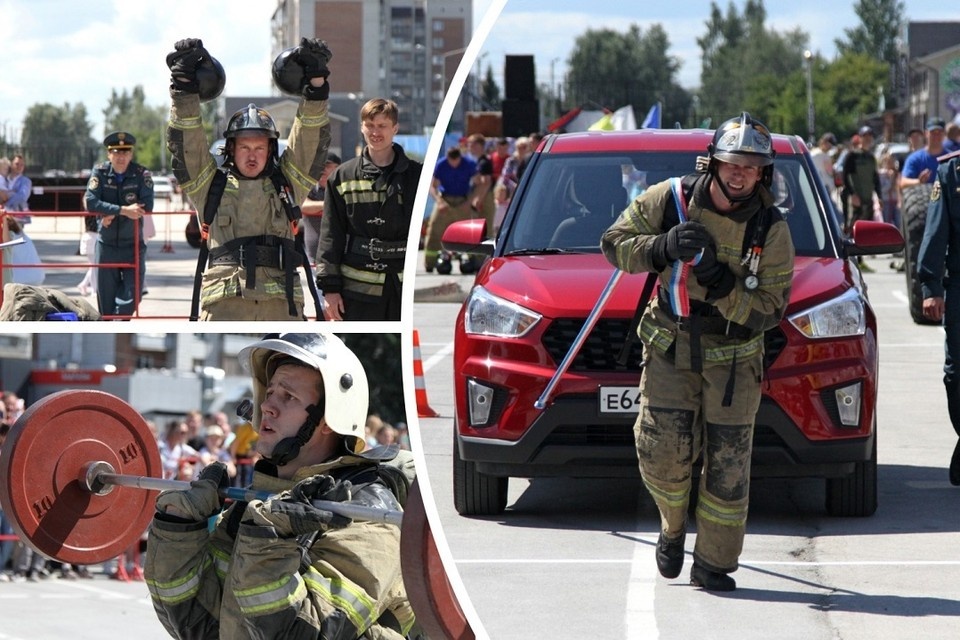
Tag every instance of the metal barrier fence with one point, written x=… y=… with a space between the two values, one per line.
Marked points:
x=135 y=265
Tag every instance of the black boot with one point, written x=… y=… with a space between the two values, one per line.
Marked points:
x=670 y=555
x=700 y=576
x=955 y=466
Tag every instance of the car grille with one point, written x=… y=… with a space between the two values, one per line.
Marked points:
x=602 y=347
x=592 y=435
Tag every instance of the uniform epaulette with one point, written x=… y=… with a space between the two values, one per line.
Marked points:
x=948 y=156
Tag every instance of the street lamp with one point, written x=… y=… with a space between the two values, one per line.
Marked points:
x=808 y=63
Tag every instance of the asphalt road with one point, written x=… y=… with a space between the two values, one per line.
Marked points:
x=575 y=558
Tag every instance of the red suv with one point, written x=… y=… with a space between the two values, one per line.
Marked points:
x=543 y=276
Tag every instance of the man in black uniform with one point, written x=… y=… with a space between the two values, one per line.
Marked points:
x=366 y=221
x=938 y=265
x=120 y=193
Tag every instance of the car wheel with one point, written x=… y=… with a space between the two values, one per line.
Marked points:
x=855 y=496
x=474 y=493
x=444 y=264
x=913 y=216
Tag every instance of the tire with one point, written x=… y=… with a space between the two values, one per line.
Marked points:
x=444 y=264
x=913 y=217
x=855 y=496
x=476 y=494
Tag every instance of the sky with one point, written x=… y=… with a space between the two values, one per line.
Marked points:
x=547 y=29
x=69 y=52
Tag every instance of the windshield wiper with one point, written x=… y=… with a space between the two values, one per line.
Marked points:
x=539 y=252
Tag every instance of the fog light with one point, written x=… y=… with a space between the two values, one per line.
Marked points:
x=479 y=402
x=848 y=404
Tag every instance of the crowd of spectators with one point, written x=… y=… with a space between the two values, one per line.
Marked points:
x=186 y=444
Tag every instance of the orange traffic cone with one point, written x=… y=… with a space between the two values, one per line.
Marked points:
x=423 y=407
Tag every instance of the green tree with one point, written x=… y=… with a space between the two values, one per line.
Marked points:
x=611 y=69
x=877 y=36
x=380 y=355
x=58 y=138
x=130 y=112
x=881 y=22
x=747 y=66
x=490 y=90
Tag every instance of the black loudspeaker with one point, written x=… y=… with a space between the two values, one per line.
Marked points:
x=520 y=117
x=519 y=78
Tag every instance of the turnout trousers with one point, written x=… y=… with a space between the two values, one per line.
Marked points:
x=681 y=416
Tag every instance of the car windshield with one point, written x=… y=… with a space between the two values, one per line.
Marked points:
x=571 y=199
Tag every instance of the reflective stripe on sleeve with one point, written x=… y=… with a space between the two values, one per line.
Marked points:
x=179 y=590
x=345 y=596
x=271 y=597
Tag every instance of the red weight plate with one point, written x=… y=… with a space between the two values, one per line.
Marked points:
x=431 y=596
x=42 y=465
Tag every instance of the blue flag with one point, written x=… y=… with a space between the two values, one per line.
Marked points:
x=652 y=121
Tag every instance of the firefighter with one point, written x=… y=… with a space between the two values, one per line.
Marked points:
x=940 y=253
x=281 y=567
x=247 y=209
x=120 y=193
x=367 y=211
x=724 y=257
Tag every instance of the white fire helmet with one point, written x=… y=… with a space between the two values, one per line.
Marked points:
x=346 y=393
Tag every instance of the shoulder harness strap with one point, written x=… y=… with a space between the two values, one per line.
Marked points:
x=217 y=186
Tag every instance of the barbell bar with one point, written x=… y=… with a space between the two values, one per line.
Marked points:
x=100 y=478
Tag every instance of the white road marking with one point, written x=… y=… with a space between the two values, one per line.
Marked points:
x=743 y=563
x=640 y=620
x=438 y=357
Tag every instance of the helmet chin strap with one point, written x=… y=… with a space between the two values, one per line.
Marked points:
x=289 y=448
x=726 y=194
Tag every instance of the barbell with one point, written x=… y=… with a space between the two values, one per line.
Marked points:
x=78 y=472
x=78 y=469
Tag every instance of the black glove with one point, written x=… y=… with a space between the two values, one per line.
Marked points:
x=313 y=55
x=203 y=499
x=712 y=274
x=682 y=242
x=183 y=63
x=291 y=513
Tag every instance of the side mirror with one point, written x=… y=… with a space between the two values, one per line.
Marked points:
x=872 y=238
x=468 y=236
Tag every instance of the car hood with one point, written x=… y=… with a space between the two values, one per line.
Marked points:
x=569 y=285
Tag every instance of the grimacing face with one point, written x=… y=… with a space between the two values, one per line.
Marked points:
x=289 y=392
x=250 y=154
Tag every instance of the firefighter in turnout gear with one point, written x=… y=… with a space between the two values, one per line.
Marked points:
x=247 y=209
x=120 y=193
x=724 y=256
x=281 y=567
x=366 y=221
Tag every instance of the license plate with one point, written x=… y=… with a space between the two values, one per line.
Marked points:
x=619 y=399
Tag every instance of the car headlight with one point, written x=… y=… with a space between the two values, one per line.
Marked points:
x=489 y=315
x=845 y=315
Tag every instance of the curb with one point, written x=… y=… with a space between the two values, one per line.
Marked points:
x=444 y=292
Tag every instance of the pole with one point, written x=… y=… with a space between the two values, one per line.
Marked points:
x=591 y=320
x=99 y=475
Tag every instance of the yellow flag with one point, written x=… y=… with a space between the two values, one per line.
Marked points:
x=603 y=124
